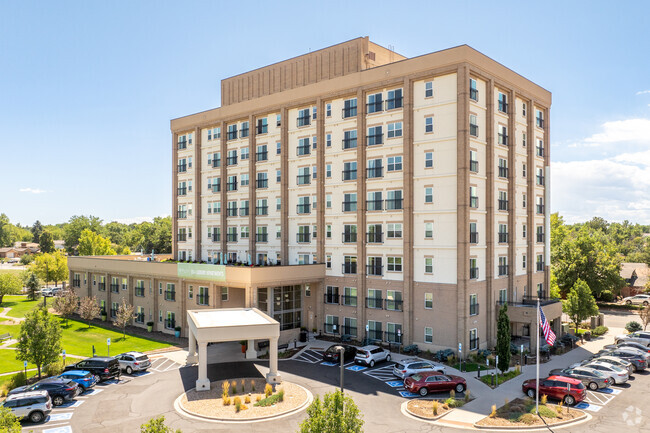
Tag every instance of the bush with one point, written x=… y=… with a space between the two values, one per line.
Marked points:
x=225 y=387
x=54 y=369
x=268 y=390
x=633 y=326
x=442 y=355
x=243 y=386
x=258 y=397
x=435 y=407
x=281 y=395
x=247 y=399
x=253 y=385
x=528 y=418
x=466 y=396
x=233 y=386
x=226 y=401
x=237 y=401
x=269 y=401
x=600 y=330
x=544 y=399
x=606 y=296
x=547 y=412
x=494 y=411
x=16 y=380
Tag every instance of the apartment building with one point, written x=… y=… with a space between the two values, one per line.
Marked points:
x=404 y=199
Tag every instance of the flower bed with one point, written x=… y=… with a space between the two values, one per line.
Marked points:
x=425 y=408
x=287 y=397
x=521 y=413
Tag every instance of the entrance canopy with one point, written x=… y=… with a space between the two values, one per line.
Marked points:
x=231 y=324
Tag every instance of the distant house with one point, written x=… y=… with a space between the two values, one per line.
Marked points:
x=636 y=276
x=59 y=245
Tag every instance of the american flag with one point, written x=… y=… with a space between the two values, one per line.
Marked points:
x=549 y=335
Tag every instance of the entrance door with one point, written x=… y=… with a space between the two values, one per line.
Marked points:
x=310 y=321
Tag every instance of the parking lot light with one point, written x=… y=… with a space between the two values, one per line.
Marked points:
x=341 y=351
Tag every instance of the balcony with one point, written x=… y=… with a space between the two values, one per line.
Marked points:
x=374 y=204
x=231 y=160
x=349 y=237
x=331 y=328
x=503 y=237
x=231 y=237
x=262 y=183
x=539 y=122
x=261 y=210
x=115 y=288
x=473 y=237
x=394 y=304
x=374 y=107
x=216 y=187
x=375 y=335
x=349 y=143
x=181 y=214
x=473 y=166
x=231 y=211
x=376 y=270
x=394 y=203
x=262 y=129
x=182 y=191
x=350 y=301
x=473 y=273
x=216 y=237
x=181 y=237
x=262 y=156
x=303 y=121
x=331 y=298
x=540 y=266
x=303 y=179
x=243 y=211
x=372 y=140
x=394 y=103
x=170 y=323
x=303 y=238
x=170 y=295
x=376 y=303
x=182 y=145
x=349 y=174
x=503 y=270
x=349 y=112
x=182 y=168
x=349 y=206
x=232 y=135
x=303 y=208
x=503 y=139
x=349 y=268
x=231 y=186
x=261 y=237
x=303 y=150
x=540 y=237
x=101 y=286
x=540 y=151
x=473 y=202
x=473 y=94
x=374 y=172
x=374 y=237
x=473 y=309
x=503 y=172
x=540 y=209
x=503 y=106
x=216 y=163
x=203 y=299
x=540 y=180
x=139 y=291
x=350 y=330
x=473 y=130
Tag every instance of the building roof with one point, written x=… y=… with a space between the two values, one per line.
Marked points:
x=635 y=274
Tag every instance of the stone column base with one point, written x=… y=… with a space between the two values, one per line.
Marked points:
x=251 y=353
x=273 y=379
x=203 y=385
x=192 y=359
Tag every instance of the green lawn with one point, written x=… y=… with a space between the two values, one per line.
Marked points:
x=20 y=305
x=8 y=361
x=12 y=271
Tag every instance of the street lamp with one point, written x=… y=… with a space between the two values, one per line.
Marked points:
x=341 y=351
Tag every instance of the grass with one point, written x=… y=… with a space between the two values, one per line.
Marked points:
x=11 y=271
x=20 y=305
x=501 y=377
x=470 y=366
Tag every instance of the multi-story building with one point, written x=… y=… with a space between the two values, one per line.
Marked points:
x=418 y=186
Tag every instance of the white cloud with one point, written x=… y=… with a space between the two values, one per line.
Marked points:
x=621 y=131
x=32 y=190
x=643 y=92
x=134 y=220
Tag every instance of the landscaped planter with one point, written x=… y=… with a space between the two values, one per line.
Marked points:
x=149 y=326
x=177 y=331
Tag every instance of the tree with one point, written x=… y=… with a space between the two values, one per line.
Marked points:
x=37 y=230
x=645 y=316
x=32 y=284
x=61 y=271
x=503 y=339
x=10 y=284
x=89 y=309
x=337 y=413
x=93 y=244
x=39 y=341
x=633 y=326
x=9 y=423
x=580 y=303
x=26 y=259
x=65 y=304
x=51 y=267
x=46 y=242
x=124 y=316
x=157 y=425
x=75 y=226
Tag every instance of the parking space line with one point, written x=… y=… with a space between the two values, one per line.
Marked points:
x=598 y=398
x=59 y=429
x=310 y=356
x=356 y=368
x=60 y=416
x=610 y=391
x=588 y=406
x=348 y=364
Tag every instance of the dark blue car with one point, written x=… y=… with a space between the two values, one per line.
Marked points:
x=84 y=379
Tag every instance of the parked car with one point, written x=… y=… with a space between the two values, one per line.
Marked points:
x=635 y=351
x=332 y=354
x=133 y=361
x=370 y=355
x=59 y=390
x=101 y=367
x=617 y=375
x=410 y=366
x=426 y=382
x=32 y=405
x=83 y=378
x=619 y=362
x=592 y=379
x=51 y=291
x=624 y=343
x=637 y=299
x=565 y=389
x=638 y=361
x=640 y=337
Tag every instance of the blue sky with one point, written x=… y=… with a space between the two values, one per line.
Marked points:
x=88 y=88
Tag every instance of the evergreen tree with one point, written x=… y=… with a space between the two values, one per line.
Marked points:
x=46 y=242
x=37 y=229
x=503 y=339
x=580 y=303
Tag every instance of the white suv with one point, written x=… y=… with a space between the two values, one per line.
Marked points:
x=33 y=405
x=370 y=355
x=640 y=337
x=133 y=361
x=409 y=366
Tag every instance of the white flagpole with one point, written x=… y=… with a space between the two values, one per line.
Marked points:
x=537 y=364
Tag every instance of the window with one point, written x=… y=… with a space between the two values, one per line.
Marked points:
x=523 y=139
x=428 y=335
x=349 y=233
x=428 y=265
x=328 y=171
x=350 y=202
x=328 y=201
x=374 y=329
x=473 y=197
x=328 y=110
x=428 y=160
x=524 y=229
x=394 y=99
x=540 y=262
x=375 y=201
x=244 y=130
x=314 y=142
x=314 y=112
x=473 y=161
x=503 y=200
x=503 y=103
x=278 y=203
x=303 y=206
x=349 y=264
x=328 y=140
x=473 y=269
x=244 y=180
x=350 y=326
x=503 y=168
x=244 y=232
x=394 y=200
x=394 y=231
x=374 y=298
x=278 y=120
x=523 y=170
x=540 y=234
x=328 y=231
x=262 y=126
x=262 y=207
x=503 y=233
x=473 y=305
x=303 y=178
x=349 y=108
x=394 y=264
x=428 y=230
x=328 y=262
x=374 y=266
x=304 y=119
x=539 y=119
x=540 y=176
x=503 y=266
x=303 y=147
x=224 y=294
x=503 y=135
x=350 y=170
x=473 y=90
x=261 y=235
x=428 y=89
x=473 y=233
x=523 y=109
x=232 y=132
x=331 y=325
x=331 y=295
x=394 y=163
x=244 y=153
x=350 y=139
x=278 y=176
x=393 y=300
x=375 y=103
x=540 y=205
x=170 y=321
x=278 y=232
x=314 y=172
x=523 y=261
x=428 y=194
x=503 y=296
x=375 y=136
x=428 y=124
x=278 y=148
x=428 y=301
x=539 y=151
x=473 y=339
x=303 y=235
x=473 y=125
x=394 y=130
x=262 y=153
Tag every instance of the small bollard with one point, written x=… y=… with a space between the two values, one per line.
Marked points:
x=478 y=371
x=492 y=379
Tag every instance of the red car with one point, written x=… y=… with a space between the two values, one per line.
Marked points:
x=433 y=381
x=565 y=389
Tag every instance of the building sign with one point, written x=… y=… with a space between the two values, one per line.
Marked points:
x=201 y=272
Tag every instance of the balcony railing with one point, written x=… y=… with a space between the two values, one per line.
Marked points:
x=303 y=237
x=503 y=106
x=503 y=139
x=540 y=209
x=473 y=94
x=115 y=288
x=349 y=174
x=349 y=143
x=394 y=304
x=170 y=323
x=261 y=210
x=331 y=298
x=303 y=150
x=376 y=303
x=503 y=270
x=372 y=140
x=349 y=237
x=349 y=206
x=101 y=286
x=540 y=180
x=349 y=268
x=540 y=237
x=139 y=318
x=473 y=130
x=203 y=299
x=503 y=237
x=303 y=179
x=543 y=300
x=243 y=211
x=231 y=160
x=216 y=163
x=261 y=237
x=374 y=270
x=394 y=103
x=231 y=186
x=170 y=295
x=261 y=156
x=473 y=273
x=182 y=145
x=215 y=187
x=375 y=334
x=303 y=121
x=374 y=107
x=394 y=203
x=232 y=135
x=374 y=237
x=231 y=211
x=540 y=151
x=473 y=166
x=374 y=172
x=473 y=202
x=473 y=309
x=303 y=208
x=182 y=191
x=540 y=266
x=139 y=291
x=349 y=112
x=216 y=237
x=539 y=122
x=503 y=172
x=350 y=301
x=181 y=214
x=262 y=183
x=349 y=330
x=182 y=168
x=473 y=237
x=374 y=204
x=243 y=133
x=262 y=129
x=231 y=237
x=76 y=282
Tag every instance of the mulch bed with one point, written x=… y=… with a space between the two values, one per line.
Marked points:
x=424 y=408
x=517 y=413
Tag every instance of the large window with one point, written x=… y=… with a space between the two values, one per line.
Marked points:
x=287 y=306
x=394 y=129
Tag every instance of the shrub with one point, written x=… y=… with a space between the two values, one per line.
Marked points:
x=258 y=397
x=443 y=355
x=506 y=404
x=247 y=399
x=435 y=407
x=547 y=412
x=558 y=408
x=16 y=380
x=268 y=390
x=544 y=399
x=452 y=394
x=237 y=402
x=226 y=401
x=281 y=395
x=252 y=385
x=233 y=385
x=54 y=369
x=225 y=386
x=606 y=296
x=466 y=398
x=528 y=418
x=633 y=326
x=269 y=401
x=600 y=330
x=243 y=386
x=494 y=411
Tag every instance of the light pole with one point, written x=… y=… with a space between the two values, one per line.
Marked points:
x=341 y=351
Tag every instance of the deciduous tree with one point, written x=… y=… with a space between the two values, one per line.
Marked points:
x=75 y=226
x=337 y=413
x=65 y=304
x=10 y=284
x=9 y=423
x=46 y=242
x=503 y=339
x=89 y=309
x=124 y=316
x=39 y=341
x=580 y=303
x=94 y=244
x=157 y=425
x=645 y=316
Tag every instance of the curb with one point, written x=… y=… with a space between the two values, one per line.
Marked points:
x=181 y=410
x=585 y=417
x=404 y=408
